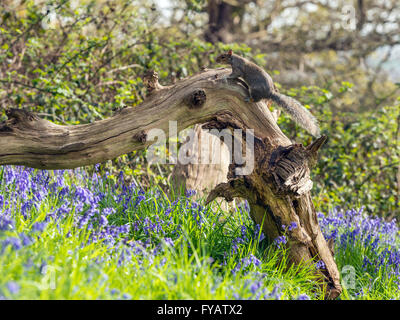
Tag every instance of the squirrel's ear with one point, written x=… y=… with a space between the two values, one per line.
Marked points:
x=230 y=52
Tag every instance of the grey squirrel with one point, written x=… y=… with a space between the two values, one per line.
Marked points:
x=261 y=86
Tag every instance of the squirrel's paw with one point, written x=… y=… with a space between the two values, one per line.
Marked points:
x=248 y=99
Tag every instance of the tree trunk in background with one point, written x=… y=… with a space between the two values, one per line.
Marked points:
x=220 y=22
x=202 y=177
x=196 y=176
x=224 y=17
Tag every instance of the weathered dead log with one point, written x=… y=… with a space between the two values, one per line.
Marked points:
x=278 y=189
x=28 y=140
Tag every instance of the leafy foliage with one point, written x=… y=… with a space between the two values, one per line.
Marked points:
x=360 y=163
x=89 y=60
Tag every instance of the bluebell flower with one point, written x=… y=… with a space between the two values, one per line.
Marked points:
x=257 y=233
x=167 y=212
x=114 y=291
x=255 y=286
x=280 y=241
x=320 y=264
x=39 y=226
x=26 y=240
x=189 y=193
x=103 y=221
x=139 y=199
x=293 y=225
x=303 y=297
x=162 y=262
x=6 y=222
x=43 y=267
x=13 y=287
x=126 y=296
x=276 y=292
x=169 y=242
x=12 y=241
x=108 y=211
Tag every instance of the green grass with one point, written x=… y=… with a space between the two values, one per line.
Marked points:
x=173 y=250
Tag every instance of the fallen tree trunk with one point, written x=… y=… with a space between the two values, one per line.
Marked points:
x=278 y=189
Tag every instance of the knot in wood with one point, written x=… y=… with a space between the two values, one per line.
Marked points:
x=196 y=99
x=141 y=137
x=289 y=168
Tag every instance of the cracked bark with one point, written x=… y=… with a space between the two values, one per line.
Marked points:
x=278 y=189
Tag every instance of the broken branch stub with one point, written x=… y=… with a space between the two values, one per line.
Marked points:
x=278 y=189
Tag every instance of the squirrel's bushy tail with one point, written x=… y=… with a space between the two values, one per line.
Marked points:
x=300 y=114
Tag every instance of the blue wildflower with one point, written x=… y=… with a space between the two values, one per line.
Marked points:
x=108 y=211
x=169 y=242
x=258 y=233
x=320 y=264
x=293 y=225
x=13 y=287
x=103 y=221
x=189 y=193
x=26 y=241
x=39 y=226
x=280 y=241
x=6 y=222
x=12 y=241
x=126 y=296
x=303 y=297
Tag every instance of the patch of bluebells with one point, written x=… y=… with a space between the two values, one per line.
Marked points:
x=6 y=222
x=93 y=210
x=257 y=290
x=257 y=234
x=190 y=193
x=246 y=263
x=97 y=205
x=14 y=242
x=27 y=190
x=303 y=297
x=39 y=226
x=378 y=238
x=280 y=241
x=245 y=236
x=240 y=240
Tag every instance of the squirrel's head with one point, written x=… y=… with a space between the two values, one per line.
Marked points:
x=225 y=58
